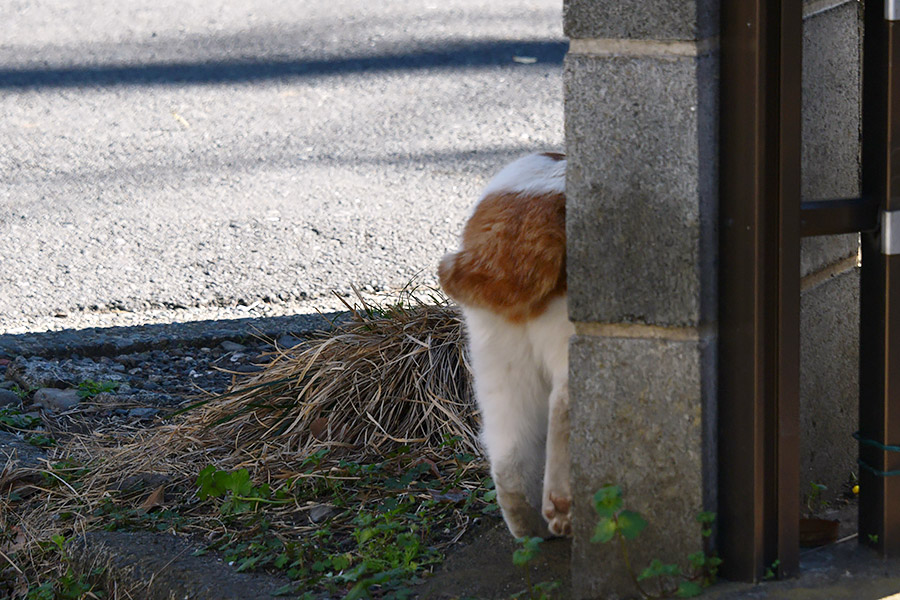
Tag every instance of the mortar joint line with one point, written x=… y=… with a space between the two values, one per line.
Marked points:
x=829 y=271
x=814 y=8
x=703 y=333
x=638 y=48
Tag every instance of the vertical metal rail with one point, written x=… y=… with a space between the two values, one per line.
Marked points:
x=783 y=437
x=879 y=375
x=759 y=287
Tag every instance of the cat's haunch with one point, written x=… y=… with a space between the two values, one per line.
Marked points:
x=509 y=277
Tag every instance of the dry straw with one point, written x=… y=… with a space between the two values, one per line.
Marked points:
x=389 y=376
x=394 y=375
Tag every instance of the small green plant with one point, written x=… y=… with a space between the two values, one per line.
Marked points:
x=522 y=557
x=67 y=586
x=814 y=501
x=873 y=537
x=66 y=472
x=617 y=523
x=89 y=388
x=14 y=420
x=772 y=570
x=239 y=494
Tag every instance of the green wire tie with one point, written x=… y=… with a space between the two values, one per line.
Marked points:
x=883 y=447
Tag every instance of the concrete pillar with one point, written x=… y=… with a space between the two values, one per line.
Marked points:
x=641 y=137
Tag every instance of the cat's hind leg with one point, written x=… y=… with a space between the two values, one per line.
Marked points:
x=512 y=398
x=557 y=495
x=516 y=463
x=549 y=335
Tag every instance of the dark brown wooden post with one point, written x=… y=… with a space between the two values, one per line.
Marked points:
x=879 y=402
x=759 y=303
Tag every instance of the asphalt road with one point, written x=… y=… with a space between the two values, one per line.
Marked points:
x=215 y=159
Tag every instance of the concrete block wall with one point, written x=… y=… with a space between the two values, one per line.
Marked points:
x=829 y=344
x=641 y=117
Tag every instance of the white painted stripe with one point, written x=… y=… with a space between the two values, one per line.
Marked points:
x=622 y=47
x=890 y=232
x=891 y=10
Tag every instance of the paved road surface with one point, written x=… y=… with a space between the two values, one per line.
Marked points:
x=216 y=159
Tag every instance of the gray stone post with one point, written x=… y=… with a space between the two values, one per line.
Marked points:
x=641 y=117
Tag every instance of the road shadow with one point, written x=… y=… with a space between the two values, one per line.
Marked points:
x=111 y=341
x=445 y=56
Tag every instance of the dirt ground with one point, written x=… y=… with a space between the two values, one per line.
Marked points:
x=481 y=567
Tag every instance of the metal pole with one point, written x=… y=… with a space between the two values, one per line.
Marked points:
x=759 y=287
x=879 y=381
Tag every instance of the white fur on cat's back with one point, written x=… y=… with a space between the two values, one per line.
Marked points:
x=532 y=175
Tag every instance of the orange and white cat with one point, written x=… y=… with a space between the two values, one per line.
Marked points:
x=509 y=277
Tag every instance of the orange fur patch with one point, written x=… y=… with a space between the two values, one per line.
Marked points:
x=513 y=255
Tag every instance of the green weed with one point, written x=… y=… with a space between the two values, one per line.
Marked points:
x=385 y=522
x=89 y=388
x=814 y=500
x=522 y=557
x=617 y=523
x=234 y=487
x=15 y=421
x=67 y=585
x=772 y=570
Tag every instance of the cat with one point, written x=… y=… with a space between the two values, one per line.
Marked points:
x=509 y=278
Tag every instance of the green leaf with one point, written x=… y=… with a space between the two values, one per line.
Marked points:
x=248 y=563
x=658 y=569
x=237 y=482
x=360 y=590
x=521 y=557
x=207 y=484
x=631 y=524
x=89 y=388
x=608 y=500
x=651 y=571
x=688 y=589
x=356 y=572
x=698 y=559
x=340 y=562
x=365 y=535
x=706 y=517
x=525 y=554
x=284 y=590
x=604 y=531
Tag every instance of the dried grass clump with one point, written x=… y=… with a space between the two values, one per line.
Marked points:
x=395 y=375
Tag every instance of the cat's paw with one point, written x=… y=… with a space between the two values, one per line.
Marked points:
x=557 y=511
x=521 y=518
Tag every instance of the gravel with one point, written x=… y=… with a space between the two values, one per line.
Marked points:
x=8 y=398
x=149 y=385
